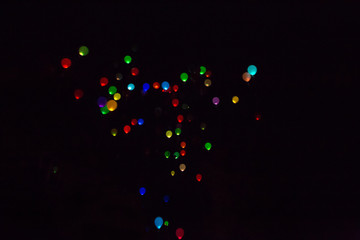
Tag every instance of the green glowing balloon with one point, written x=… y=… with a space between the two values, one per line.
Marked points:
x=83 y=51
x=176 y=155
x=202 y=70
x=166 y=223
x=112 y=90
x=127 y=59
x=167 y=154
x=178 y=131
x=208 y=146
x=104 y=110
x=184 y=77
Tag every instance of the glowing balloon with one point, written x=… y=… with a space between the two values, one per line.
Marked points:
x=198 y=177
x=179 y=233
x=131 y=86
x=168 y=134
x=111 y=105
x=146 y=87
x=112 y=90
x=133 y=121
x=104 y=81
x=114 y=132
x=175 y=102
x=166 y=223
x=102 y=101
x=119 y=76
x=127 y=59
x=216 y=101
x=134 y=71
x=165 y=85
x=117 y=96
x=156 y=85
x=176 y=155
x=182 y=152
x=182 y=167
x=184 y=77
x=180 y=118
x=127 y=129
x=202 y=70
x=142 y=191
x=207 y=82
x=178 y=131
x=140 y=121
x=167 y=154
x=166 y=198
x=175 y=88
x=202 y=126
x=257 y=117
x=172 y=173
x=252 y=70
x=65 y=62
x=208 y=146
x=246 y=76
x=104 y=110
x=83 y=51
x=208 y=73
x=235 y=99
x=78 y=93
x=158 y=222
x=183 y=144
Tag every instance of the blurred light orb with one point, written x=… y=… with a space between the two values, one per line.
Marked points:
x=235 y=99
x=180 y=233
x=208 y=73
x=182 y=167
x=65 y=62
x=133 y=121
x=216 y=101
x=175 y=88
x=158 y=222
x=104 y=81
x=202 y=126
x=111 y=105
x=166 y=198
x=78 y=93
x=114 y=132
x=102 y=101
x=184 y=77
x=142 y=191
x=127 y=129
x=172 y=173
x=202 y=70
x=83 y=51
x=127 y=59
x=134 y=71
x=178 y=131
x=182 y=152
x=165 y=85
x=208 y=146
x=131 y=86
x=117 y=96
x=176 y=155
x=104 y=110
x=175 y=102
x=119 y=76
x=180 y=118
x=246 y=76
x=207 y=82
x=198 y=177
x=112 y=90
x=156 y=85
x=167 y=154
x=168 y=134
x=140 y=121
x=166 y=223
x=183 y=144
x=146 y=87
x=252 y=69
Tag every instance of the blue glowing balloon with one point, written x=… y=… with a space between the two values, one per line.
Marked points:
x=146 y=87
x=252 y=70
x=131 y=86
x=102 y=101
x=165 y=85
x=166 y=198
x=158 y=222
x=142 y=191
x=140 y=121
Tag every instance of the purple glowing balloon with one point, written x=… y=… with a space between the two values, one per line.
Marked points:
x=102 y=101
x=215 y=100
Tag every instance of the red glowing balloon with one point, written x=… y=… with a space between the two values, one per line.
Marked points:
x=156 y=85
x=175 y=88
x=175 y=102
x=182 y=152
x=104 y=81
x=65 y=62
x=179 y=233
x=134 y=71
x=127 y=129
x=208 y=73
x=198 y=177
x=78 y=93
x=257 y=117
x=133 y=121
x=180 y=118
x=183 y=144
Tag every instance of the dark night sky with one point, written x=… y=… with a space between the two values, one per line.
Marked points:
x=290 y=175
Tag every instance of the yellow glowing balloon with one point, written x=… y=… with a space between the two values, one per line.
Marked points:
x=111 y=105
x=207 y=82
x=117 y=96
x=168 y=134
x=172 y=173
x=182 y=167
x=246 y=76
x=114 y=132
x=235 y=99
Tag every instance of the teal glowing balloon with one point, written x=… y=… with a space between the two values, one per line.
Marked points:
x=131 y=86
x=252 y=70
x=158 y=222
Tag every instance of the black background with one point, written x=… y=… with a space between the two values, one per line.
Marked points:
x=294 y=174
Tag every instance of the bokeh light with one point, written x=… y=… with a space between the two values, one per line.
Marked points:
x=142 y=191
x=202 y=70
x=178 y=131
x=166 y=223
x=146 y=87
x=252 y=69
x=207 y=82
x=117 y=96
x=198 y=177
x=167 y=154
x=246 y=76
x=134 y=71
x=180 y=233
x=65 y=62
x=175 y=102
x=102 y=101
x=78 y=93
x=83 y=51
x=184 y=77
x=208 y=146
x=183 y=144
x=112 y=90
x=180 y=118
x=119 y=76
x=140 y=121
x=216 y=101
x=127 y=59
x=114 y=132
x=104 y=110
x=158 y=222
x=176 y=155
x=182 y=167
x=104 y=81
x=235 y=99
x=166 y=198
x=182 y=152
x=172 y=173
x=156 y=85
x=208 y=73
x=131 y=86
x=133 y=121
x=175 y=88
x=127 y=129
x=165 y=85
x=168 y=134
x=111 y=105
x=202 y=126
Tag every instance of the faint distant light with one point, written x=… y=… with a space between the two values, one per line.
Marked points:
x=65 y=62
x=133 y=121
x=185 y=106
x=202 y=70
x=127 y=59
x=184 y=77
x=202 y=126
x=252 y=70
x=83 y=51
x=134 y=71
x=131 y=86
x=208 y=73
x=78 y=93
x=119 y=76
x=246 y=76
x=257 y=117
x=166 y=198
x=216 y=100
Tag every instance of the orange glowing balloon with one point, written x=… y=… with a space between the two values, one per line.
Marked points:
x=246 y=76
x=156 y=85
